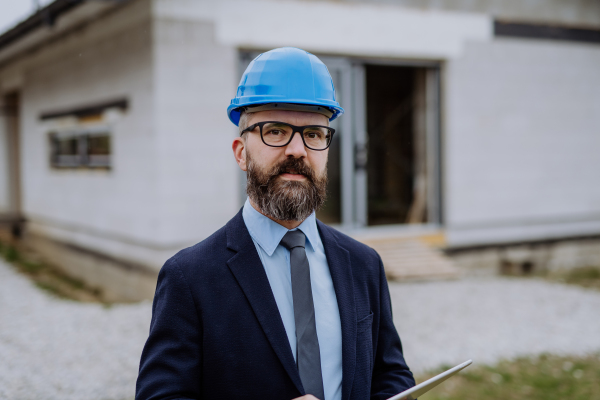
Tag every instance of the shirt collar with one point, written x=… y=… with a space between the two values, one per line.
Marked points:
x=268 y=233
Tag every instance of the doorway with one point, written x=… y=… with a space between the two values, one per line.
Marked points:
x=398 y=171
x=394 y=114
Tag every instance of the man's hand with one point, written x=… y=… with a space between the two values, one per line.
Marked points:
x=306 y=397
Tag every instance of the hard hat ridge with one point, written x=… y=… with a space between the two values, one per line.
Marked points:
x=285 y=76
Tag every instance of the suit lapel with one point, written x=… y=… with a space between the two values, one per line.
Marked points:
x=338 y=259
x=251 y=276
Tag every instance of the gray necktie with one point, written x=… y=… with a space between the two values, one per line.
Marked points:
x=308 y=357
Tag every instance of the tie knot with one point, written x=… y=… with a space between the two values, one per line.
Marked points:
x=293 y=239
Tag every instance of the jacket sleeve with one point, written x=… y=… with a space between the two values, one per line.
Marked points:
x=170 y=366
x=391 y=375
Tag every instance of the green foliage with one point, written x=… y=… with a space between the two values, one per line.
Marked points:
x=31 y=267
x=50 y=288
x=11 y=254
x=588 y=277
x=546 y=377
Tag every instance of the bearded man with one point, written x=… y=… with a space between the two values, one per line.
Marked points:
x=276 y=305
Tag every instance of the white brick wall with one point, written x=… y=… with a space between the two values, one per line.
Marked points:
x=173 y=179
x=522 y=141
x=195 y=78
x=114 y=211
x=571 y=12
x=332 y=27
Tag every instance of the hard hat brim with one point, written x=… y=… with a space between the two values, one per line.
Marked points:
x=234 y=111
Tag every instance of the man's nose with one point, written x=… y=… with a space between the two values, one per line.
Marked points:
x=296 y=147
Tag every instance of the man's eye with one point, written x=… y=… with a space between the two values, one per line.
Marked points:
x=312 y=135
x=274 y=132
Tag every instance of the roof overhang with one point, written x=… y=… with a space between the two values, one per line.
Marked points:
x=49 y=22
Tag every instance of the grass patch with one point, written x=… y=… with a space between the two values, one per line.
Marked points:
x=588 y=277
x=48 y=277
x=546 y=377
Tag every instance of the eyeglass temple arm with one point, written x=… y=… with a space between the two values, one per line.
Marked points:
x=249 y=129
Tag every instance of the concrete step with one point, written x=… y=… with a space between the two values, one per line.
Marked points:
x=413 y=258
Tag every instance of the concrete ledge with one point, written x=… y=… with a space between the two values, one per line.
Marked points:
x=119 y=280
x=526 y=257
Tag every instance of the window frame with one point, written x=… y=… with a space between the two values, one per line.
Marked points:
x=82 y=159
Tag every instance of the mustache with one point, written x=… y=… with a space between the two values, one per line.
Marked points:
x=295 y=165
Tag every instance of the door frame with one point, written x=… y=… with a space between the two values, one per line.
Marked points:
x=355 y=152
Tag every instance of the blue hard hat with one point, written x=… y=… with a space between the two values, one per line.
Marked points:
x=285 y=75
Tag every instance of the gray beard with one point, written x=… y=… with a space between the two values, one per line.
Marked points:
x=282 y=199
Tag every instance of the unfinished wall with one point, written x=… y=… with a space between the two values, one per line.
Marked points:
x=519 y=117
x=571 y=12
x=109 y=211
x=521 y=142
x=195 y=78
x=363 y=30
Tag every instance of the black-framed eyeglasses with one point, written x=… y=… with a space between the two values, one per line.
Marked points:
x=280 y=134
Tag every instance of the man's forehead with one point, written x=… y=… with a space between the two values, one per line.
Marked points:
x=299 y=118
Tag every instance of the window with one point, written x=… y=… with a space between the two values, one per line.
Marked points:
x=81 y=137
x=84 y=148
x=98 y=149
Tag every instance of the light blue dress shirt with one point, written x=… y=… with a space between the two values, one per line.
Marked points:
x=266 y=235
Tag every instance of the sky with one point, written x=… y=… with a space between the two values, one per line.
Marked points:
x=14 y=11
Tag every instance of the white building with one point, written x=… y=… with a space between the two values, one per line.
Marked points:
x=474 y=122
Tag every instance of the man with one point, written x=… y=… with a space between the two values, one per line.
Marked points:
x=276 y=305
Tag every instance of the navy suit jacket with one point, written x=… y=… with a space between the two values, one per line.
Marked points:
x=216 y=332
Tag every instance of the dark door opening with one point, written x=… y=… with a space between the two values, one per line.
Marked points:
x=10 y=111
x=397 y=144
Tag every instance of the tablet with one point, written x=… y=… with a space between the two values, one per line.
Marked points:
x=422 y=388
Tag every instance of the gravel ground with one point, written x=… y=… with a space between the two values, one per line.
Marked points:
x=444 y=323
x=56 y=349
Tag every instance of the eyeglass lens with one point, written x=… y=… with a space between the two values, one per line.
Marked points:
x=278 y=134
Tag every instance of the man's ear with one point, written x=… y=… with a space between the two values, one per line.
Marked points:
x=239 y=152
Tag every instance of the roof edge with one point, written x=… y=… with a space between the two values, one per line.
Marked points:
x=44 y=16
